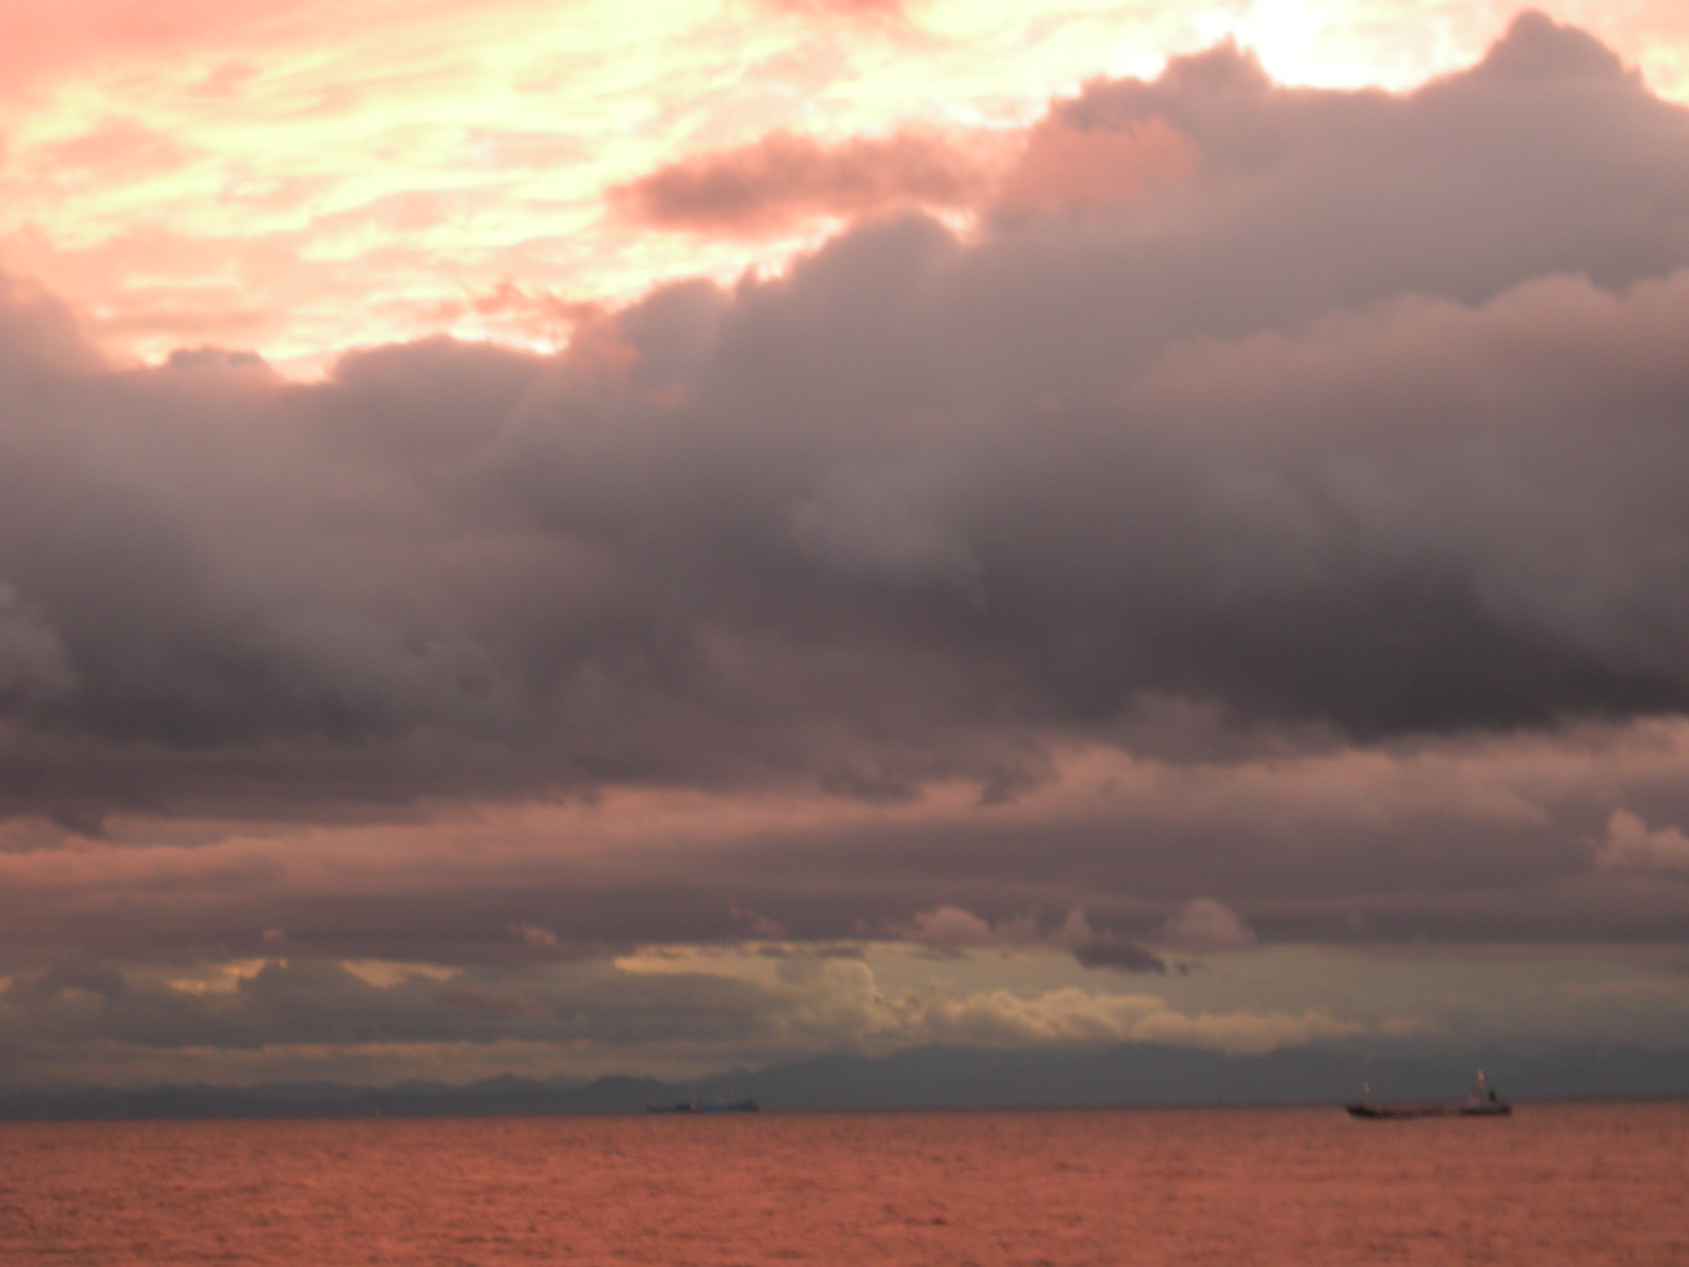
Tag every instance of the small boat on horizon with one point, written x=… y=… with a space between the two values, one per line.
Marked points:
x=747 y=1105
x=1482 y=1102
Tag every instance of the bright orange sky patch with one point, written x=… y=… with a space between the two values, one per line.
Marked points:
x=302 y=177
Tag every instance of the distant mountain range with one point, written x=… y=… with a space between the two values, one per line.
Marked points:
x=929 y=1078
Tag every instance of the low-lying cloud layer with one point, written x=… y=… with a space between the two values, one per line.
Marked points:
x=1305 y=466
x=824 y=1006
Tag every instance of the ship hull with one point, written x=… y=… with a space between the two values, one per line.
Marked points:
x=1428 y=1110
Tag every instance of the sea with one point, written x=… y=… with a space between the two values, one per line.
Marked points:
x=1553 y=1184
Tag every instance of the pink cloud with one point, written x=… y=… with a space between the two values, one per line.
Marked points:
x=889 y=13
x=1631 y=844
x=1064 y=166
x=784 y=178
x=40 y=41
x=1204 y=924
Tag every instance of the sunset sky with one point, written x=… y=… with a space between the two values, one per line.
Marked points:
x=569 y=538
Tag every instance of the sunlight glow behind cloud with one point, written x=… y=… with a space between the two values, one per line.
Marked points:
x=303 y=177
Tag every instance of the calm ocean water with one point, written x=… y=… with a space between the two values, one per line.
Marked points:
x=1556 y=1184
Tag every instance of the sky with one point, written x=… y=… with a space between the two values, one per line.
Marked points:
x=567 y=538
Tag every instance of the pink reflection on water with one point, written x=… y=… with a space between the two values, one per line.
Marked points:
x=1557 y=1184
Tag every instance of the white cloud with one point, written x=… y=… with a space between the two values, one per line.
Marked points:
x=842 y=1002
x=533 y=935
x=1631 y=845
x=1245 y=1033
x=1204 y=924
x=951 y=926
x=1009 y=1019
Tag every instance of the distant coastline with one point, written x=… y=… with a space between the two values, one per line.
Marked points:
x=1135 y=1075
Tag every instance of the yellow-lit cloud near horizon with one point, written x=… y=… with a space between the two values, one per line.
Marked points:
x=301 y=177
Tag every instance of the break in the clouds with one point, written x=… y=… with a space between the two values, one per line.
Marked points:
x=1262 y=522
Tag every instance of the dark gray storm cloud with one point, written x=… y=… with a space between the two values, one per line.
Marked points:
x=1372 y=424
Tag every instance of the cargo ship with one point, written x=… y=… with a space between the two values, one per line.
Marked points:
x=1482 y=1102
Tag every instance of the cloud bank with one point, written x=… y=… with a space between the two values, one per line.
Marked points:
x=1308 y=462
